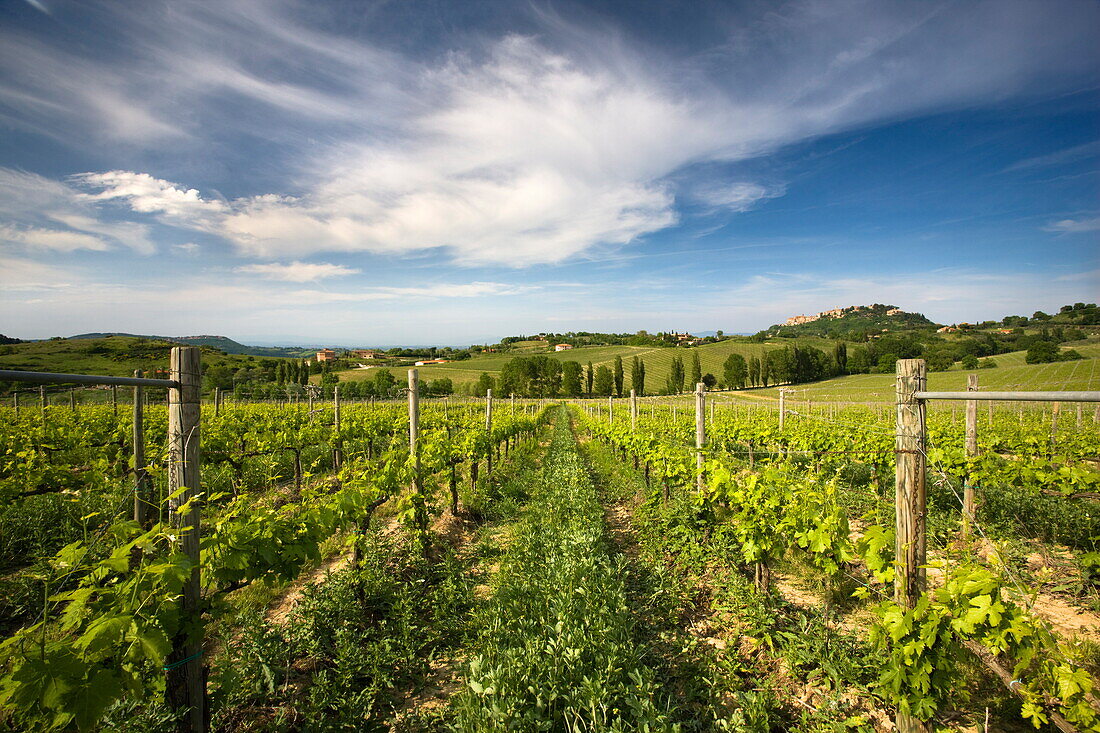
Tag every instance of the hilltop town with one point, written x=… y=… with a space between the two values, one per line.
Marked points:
x=890 y=310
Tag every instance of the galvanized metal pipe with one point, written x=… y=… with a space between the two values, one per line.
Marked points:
x=1011 y=396
x=51 y=378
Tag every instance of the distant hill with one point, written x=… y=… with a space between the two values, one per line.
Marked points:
x=222 y=343
x=850 y=321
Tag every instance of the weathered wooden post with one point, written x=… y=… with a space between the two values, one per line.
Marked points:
x=338 y=443
x=142 y=506
x=309 y=405
x=971 y=452
x=610 y=409
x=489 y=431
x=43 y=402
x=910 y=547
x=512 y=406
x=782 y=408
x=185 y=686
x=72 y=398
x=217 y=401
x=1054 y=424
x=1078 y=415
x=114 y=399
x=15 y=402
x=700 y=432
x=633 y=410
x=414 y=425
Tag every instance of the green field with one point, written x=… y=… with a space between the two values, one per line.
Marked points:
x=116 y=356
x=658 y=360
x=1011 y=373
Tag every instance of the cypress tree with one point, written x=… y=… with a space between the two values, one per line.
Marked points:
x=619 y=376
x=696 y=370
x=637 y=376
x=589 y=378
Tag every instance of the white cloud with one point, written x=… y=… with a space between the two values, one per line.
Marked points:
x=35 y=238
x=148 y=195
x=1074 y=226
x=297 y=272
x=738 y=196
x=30 y=203
x=516 y=151
x=187 y=248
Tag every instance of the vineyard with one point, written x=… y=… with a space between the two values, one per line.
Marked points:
x=588 y=565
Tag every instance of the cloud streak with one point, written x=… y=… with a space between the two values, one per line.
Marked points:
x=517 y=151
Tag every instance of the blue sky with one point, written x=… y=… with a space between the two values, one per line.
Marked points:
x=439 y=172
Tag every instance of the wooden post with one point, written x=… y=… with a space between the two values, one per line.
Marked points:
x=337 y=448
x=610 y=409
x=782 y=408
x=142 y=505
x=72 y=398
x=1078 y=414
x=309 y=405
x=633 y=410
x=512 y=406
x=989 y=405
x=1054 y=424
x=414 y=425
x=910 y=545
x=15 y=402
x=114 y=399
x=217 y=401
x=185 y=685
x=43 y=402
x=489 y=431
x=700 y=431
x=971 y=452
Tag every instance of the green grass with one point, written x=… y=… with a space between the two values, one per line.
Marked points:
x=116 y=356
x=658 y=360
x=1011 y=373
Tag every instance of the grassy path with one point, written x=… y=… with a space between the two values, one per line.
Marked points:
x=557 y=648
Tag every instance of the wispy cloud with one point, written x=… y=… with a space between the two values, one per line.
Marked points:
x=1074 y=226
x=514 y=151
x=738 y=197
x=1068 y=155
x=297 y=272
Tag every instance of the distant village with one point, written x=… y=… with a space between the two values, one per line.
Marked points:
x=837 y=313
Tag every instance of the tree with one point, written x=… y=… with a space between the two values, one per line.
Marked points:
x=637 y=376
x=765 y=368
x=589 y=378
x=303 y=374
x=384 y=382
x=676 y=376
x=1039 y=316
x=840 y=354
x=709 y=380
x=1041 y=352
x=484 y=384
x=696 y=369
x=970 y=361
x=605 y=381
x=734 y=371
x=441 y=387
x=754 y=371
x=618 y=375
x=571 y=378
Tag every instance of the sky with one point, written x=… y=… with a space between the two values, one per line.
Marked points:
x=367 y=173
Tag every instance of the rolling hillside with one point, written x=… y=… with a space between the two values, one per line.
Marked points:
x=110 y=355
x=1011 y=371
x=658 y=361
